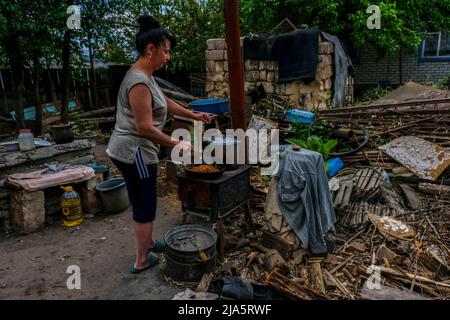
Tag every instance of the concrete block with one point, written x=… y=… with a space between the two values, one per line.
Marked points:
x=306 y=100
x=269 y=87
x=326 y=47
x=214 y=55
x=262 y=65
x=262 y=75
x=218 y=55
x=27 y=210
x=280 y=88
x=291 y=88
x=325 y=60
x=272 y=65
x=324 y=73
x=211 y=44
x=215 y=77
x=210 y=66
x=219 y=66
x=209 y=86
x=271 y=76
x=209 y=55
x=90 y=199
x=221 y=44
x=327 y=83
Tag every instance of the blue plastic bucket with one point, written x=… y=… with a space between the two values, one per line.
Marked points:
x=213 y=105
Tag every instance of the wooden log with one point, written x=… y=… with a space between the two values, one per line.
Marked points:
x=435 y=264
x=315 y=275
x=96 y=112
x=434 y=189
x=273 y=259
x=179 y=96
x=384 y=253
x=204 y=283
x=273 y=241
x=338 y=284
x=410 y=277
x=289 y=287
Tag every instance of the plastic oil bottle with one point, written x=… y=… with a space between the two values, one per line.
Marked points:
x=71 y=207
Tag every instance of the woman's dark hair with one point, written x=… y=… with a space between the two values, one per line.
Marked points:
x=150 y=31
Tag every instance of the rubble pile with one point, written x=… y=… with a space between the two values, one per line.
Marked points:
x=392 y=207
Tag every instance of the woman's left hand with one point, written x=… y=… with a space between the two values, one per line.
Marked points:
x=201 y=116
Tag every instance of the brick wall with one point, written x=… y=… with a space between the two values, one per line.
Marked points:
x=316 y=94
x=371 y=70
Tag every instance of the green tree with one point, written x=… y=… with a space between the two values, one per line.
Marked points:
x=29 y=39
x=192 y=22
x=402 y=22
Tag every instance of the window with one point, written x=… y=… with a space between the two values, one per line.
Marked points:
x=435 y=47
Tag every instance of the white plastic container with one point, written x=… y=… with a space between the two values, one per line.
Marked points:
x=26 y=140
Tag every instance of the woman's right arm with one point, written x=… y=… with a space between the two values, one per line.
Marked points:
x=141 y=106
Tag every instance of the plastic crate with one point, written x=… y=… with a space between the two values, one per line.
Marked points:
x=213 y=105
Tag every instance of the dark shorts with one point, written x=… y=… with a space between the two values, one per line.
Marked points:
x=140 y=180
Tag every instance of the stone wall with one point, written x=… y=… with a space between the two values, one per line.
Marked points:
x=314 y=95
x=76 y=152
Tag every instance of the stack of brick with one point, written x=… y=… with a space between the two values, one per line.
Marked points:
x=217 y=69
x=314 y=95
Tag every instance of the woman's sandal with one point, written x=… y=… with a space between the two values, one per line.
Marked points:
x=152 y=261
x=159 y=246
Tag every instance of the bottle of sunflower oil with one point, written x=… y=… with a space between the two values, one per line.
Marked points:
x=71 y=207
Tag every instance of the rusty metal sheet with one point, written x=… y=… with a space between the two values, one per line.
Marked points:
x=425 y=159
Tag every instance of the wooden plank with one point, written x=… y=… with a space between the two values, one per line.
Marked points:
x=273 y=241
x=435 y=189
x=204 y=283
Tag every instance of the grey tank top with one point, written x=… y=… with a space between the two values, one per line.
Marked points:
x=126 y=144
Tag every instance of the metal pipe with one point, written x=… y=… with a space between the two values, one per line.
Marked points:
x=235 y=65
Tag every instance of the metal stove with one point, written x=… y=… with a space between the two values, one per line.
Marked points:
x=217 y=198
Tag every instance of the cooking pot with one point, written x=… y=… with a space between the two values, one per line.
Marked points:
x=228 y=145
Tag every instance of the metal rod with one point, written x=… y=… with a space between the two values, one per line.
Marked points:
x=235 y=64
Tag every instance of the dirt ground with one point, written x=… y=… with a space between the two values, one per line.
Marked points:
x=34 y=266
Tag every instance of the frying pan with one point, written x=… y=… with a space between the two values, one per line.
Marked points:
x=204 y=175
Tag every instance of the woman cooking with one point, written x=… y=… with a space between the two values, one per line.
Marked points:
x=134 y=144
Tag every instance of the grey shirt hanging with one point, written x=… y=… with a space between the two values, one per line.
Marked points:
x=304 y=196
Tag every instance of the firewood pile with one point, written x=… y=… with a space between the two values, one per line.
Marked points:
x=429 y=120
x=401 y=260
x=392 y=207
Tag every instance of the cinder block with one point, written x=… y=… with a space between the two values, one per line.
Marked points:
x=263 y=75
x=326 y=47
x=27 y=210
x=221 y=44
x=262 y=65
x=215 y=77
x=210 y=66
x=219 y=66
x=211 y=44
x=271 y=76
x=90 y=199
x=209 y=86
x=269 y=87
